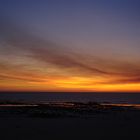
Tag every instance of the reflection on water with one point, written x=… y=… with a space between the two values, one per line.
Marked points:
x=123 y=105
x=14 y=105
x=66 y=104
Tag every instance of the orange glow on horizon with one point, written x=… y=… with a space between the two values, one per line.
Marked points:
x=72 y=84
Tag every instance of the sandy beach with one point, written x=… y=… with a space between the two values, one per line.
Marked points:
x=114 y=124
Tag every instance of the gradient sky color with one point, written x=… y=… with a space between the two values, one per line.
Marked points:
x=70 y=45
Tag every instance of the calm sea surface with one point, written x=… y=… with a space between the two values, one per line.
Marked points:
x=133 y=98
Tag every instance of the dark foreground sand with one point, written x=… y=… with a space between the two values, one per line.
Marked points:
x=118 y=125
x=68 y=129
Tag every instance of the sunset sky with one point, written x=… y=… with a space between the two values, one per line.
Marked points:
x=70 y=45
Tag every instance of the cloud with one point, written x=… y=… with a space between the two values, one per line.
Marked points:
x=43 y=50
x=47 y=52
x=128 y=80
x=18 y=72
x=21 y=78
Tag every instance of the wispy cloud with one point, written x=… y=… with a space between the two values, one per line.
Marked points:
x=43 y=50
x=48 y=53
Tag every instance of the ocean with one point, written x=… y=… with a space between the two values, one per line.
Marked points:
x=130 y=98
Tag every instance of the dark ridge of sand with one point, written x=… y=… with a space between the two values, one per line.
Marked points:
x=69 y=121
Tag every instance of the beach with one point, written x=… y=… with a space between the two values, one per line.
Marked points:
x=18 y=123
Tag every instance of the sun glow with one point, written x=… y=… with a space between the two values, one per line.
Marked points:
x=97 y=84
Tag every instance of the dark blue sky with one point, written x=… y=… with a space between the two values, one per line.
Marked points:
x=76 y=19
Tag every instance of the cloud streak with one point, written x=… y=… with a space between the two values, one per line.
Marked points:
x=44 y=50
x=48 y=53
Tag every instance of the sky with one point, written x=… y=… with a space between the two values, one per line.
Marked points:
x=70 y=45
